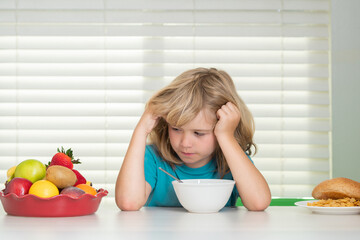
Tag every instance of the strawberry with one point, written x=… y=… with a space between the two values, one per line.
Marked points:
x=63 y=158
x=80 y=178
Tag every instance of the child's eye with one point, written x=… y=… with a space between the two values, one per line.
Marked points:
x=199 y=134
x=175 y=129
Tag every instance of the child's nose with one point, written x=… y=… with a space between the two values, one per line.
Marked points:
x=185 y=141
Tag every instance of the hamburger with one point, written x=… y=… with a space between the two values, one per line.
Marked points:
x=337 y=188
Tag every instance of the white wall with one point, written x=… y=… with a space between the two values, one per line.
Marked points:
x=346 y=88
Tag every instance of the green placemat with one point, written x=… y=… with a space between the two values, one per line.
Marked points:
x=280 y=201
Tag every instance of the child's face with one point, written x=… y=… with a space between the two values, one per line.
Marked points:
x=195 y=142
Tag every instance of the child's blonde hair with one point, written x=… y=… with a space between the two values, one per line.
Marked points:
x=182 y=100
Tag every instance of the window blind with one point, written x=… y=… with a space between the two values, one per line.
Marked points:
x=78 y=73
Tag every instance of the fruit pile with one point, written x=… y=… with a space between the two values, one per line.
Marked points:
x=58 y=177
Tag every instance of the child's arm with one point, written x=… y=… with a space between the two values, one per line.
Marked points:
x=131 y=190
x=252 y=186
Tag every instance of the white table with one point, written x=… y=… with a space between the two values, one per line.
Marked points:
x=175 y=223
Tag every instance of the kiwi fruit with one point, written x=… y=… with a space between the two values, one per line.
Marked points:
x=61 y=176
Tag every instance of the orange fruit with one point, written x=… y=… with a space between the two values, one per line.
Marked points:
x=88 y=189
x=44 y=189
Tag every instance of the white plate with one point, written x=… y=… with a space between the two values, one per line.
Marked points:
x=328 y=210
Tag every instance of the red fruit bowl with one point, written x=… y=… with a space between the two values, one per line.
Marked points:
x=57 y=206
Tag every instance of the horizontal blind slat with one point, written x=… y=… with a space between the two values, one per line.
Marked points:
x=136 y=109
x=164 y=43
x=292 y=177
x=156 y=70
x=137 y=96
x=29 y=150
x=59 y=4
x=123 y=136
x=295 y=151
x=320 y=31
x=124 y=17
x=151 y=84
x=292 y=164
x=175 y=56
x=129 y=123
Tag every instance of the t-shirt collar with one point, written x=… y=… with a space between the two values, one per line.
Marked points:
x=209 y=167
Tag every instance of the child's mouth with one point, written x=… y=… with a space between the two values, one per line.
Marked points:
x=187 y=154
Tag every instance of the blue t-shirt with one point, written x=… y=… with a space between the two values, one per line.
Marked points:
x=163 y=193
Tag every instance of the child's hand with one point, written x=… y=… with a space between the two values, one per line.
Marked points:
x=148 y=121
x=228 y=119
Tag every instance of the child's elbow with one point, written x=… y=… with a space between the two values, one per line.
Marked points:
x=128 y=205
x=259 y=205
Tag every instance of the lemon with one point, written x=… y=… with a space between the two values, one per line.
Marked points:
x=10 y=173
x=44 y=189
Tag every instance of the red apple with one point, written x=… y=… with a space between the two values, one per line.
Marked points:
x=19 y=186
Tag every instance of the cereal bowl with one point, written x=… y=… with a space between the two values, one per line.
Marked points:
x=203 y=195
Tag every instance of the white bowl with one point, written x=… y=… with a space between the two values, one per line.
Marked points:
x=203 y=195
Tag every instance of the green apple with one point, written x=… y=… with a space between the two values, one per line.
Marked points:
x=30 y=169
